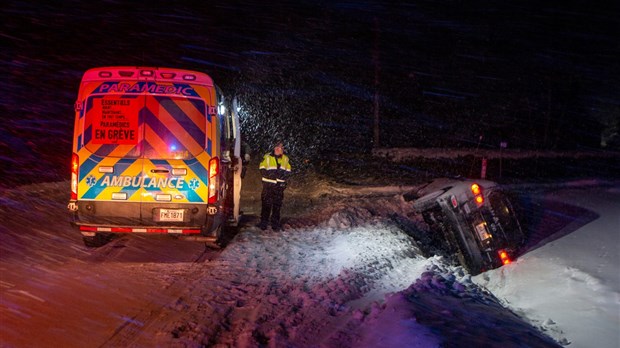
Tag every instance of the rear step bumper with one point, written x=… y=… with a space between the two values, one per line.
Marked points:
x=90 y=231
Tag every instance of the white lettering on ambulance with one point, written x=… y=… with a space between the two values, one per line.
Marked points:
x=117 y=181
x=170 y=185
x=146 y=87
x=152 y=183
x=139 y=181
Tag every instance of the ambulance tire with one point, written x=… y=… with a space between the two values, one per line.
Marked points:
x=209 y=231
x=227 y=233
x=96 y=241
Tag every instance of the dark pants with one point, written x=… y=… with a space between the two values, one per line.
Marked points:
x=271 y=199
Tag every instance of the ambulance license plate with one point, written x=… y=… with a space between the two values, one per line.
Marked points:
x=171 y=214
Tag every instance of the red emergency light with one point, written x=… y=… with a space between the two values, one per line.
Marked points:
x=504 y=257
x=168 y=75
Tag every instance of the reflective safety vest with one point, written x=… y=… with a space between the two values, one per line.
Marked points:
x=275 y=169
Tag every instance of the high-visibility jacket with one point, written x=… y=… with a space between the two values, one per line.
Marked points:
x=275 y=169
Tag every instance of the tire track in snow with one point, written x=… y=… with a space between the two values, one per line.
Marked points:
x=132 y=328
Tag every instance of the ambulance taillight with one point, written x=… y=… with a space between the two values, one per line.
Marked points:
x=75 y=165
x=214 y=171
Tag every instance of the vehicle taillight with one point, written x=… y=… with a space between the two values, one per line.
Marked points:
x=214 y=171
x=477 y=191
x=504 y=257
x=75 y=166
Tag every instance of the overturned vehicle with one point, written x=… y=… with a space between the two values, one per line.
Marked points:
x=474 y=220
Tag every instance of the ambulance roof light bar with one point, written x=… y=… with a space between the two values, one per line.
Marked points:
x=132 y=72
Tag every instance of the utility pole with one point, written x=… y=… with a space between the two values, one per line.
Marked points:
x=375 y=60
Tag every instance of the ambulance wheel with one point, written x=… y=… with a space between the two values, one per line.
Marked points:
x=96 y=241
x=227 y=233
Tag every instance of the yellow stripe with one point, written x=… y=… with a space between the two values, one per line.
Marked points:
x=197 y=116
x=175 y=128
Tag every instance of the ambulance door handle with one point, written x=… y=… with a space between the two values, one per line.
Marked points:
x=160 y=171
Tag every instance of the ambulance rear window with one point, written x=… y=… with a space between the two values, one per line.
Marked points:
x=132 y=126
x=175 y=128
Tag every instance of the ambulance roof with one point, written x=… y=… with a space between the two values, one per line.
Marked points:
x=147 y=73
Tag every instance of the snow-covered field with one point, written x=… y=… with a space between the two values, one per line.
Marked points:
x=342 y=274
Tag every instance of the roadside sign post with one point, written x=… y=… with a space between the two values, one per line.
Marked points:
x=502 y=145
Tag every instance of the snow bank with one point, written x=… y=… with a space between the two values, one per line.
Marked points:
x=570 y=288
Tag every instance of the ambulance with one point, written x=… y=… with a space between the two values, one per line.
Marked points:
x=154 y=151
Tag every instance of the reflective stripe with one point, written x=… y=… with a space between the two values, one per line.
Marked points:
x=270 y=180
x=142 y=230
x=273 y=181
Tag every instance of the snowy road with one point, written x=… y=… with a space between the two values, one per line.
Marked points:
x=321 y=282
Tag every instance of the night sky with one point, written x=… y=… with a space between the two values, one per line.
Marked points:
x=538 y=75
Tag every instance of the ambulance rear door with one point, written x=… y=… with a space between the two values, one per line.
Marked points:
x=177 y=149
x=110 y=158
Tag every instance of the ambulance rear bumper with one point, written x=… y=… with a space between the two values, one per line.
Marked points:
x=127 y=217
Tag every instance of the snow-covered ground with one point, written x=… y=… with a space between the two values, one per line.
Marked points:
x=570 y=287
x=342 y=274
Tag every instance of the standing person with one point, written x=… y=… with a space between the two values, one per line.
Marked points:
x=275 y=169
